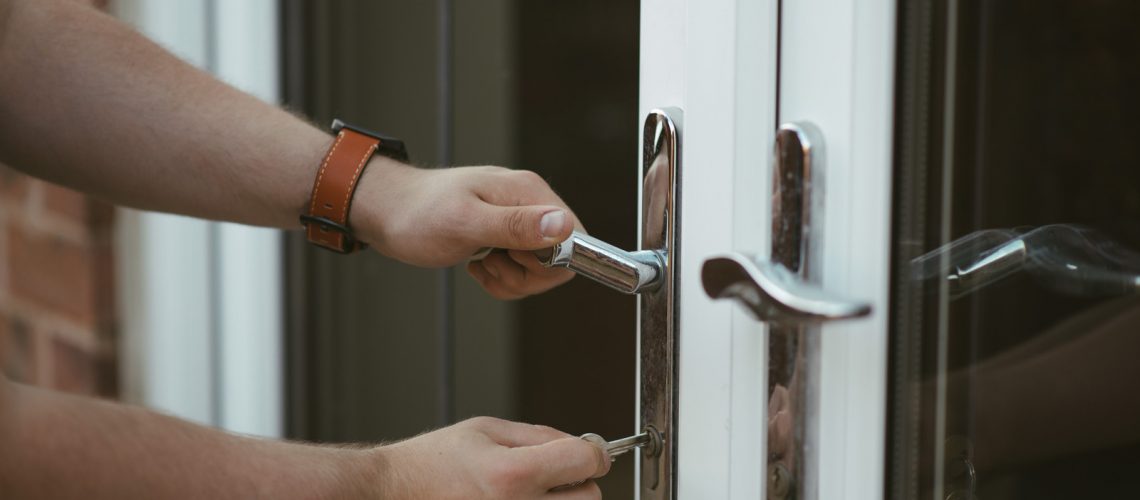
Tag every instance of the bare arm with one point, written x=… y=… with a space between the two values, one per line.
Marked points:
x=91 y=104
x=87 y=102
x=59 y=446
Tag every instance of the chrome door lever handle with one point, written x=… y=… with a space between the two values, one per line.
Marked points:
x=781 y=290
x=773 y=294
x=626 y=272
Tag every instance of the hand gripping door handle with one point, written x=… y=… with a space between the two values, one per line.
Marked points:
x=650 y=273
x=626 y=272
x=782 y=290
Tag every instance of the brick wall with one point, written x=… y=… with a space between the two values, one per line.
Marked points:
x=56 y=287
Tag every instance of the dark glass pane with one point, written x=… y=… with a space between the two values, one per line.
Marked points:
x=1016 y=279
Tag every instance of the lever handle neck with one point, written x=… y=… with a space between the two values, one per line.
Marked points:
x=626 y=272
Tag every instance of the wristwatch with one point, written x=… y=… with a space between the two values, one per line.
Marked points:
x=326 y=222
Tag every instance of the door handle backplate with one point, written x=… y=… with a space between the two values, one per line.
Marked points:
x=657 y=329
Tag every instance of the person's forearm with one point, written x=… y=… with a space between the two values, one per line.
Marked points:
x=57 y=446
x=87 y=102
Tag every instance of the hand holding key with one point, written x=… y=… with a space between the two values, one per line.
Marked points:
x=650 y=440
x=488 y=458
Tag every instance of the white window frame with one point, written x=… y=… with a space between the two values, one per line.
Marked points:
x=201 y=302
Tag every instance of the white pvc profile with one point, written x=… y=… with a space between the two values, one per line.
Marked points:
x=200 y=302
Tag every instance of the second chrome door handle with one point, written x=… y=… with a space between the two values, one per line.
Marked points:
x=782 y=290
x=627 y=272
x=772 y=293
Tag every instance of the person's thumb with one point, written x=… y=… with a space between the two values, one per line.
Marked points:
x=566 y=461
x=525 y=228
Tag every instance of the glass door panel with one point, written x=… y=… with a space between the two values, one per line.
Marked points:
x=1015 y=318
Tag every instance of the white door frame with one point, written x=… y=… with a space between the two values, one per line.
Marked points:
x=837 y=71
x=717 y=61
x=200 y=301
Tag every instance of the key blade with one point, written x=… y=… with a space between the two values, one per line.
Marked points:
x=620 y=446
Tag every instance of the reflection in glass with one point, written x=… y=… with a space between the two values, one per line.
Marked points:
x=1065 y=258
x=1015 y=303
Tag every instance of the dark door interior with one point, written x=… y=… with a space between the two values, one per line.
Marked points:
x=382 y=351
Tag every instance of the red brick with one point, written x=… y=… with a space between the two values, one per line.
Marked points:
x=13 y=185
x=54 y=273
x=64 y=202
x=19 y=355
x=74 y=369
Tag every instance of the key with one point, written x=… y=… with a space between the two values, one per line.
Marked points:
x=649 y=440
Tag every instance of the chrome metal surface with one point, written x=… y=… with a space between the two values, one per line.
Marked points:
x=627 y=272
x=779 y=481
x=649 y=440
x=657 y=331
x=784 y=292
x=794 y=351
x=620 y=446
x=772 y=293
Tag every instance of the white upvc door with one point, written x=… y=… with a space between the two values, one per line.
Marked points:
x=837 y=71
x=737 y=68
x=716 y=60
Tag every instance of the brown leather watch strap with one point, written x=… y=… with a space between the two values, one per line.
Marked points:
x=329 y=204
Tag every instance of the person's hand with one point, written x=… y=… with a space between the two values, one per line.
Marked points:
x=489 y=458
x=441 y=217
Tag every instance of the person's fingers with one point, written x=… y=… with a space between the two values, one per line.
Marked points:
x=539 y=278
x=588 y=490
x=564 y=461
x=490 y=283
x=529 y=261
x=479 y=273
x=515 y=274
x=515 y=434
x=508 y=272
x=528 y=227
